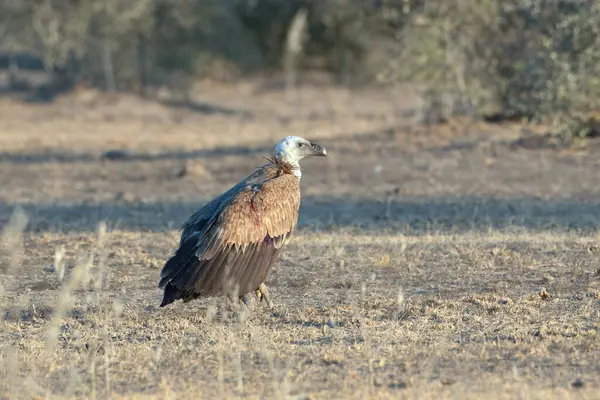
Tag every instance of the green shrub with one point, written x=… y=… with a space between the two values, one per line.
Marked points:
x=533 y=58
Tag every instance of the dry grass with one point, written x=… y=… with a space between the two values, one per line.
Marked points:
x=430 y=262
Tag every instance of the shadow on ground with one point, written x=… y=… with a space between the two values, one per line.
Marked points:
x=380 y=137
x=205 y=108
x=121 y=155
x=414 y=216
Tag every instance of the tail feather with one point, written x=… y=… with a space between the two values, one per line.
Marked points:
x=171 y=291
x=170 y=295
x=177 y=263
x=176 y=276
x=172 y=267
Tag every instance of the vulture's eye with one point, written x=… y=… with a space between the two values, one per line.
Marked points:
x=300 y=144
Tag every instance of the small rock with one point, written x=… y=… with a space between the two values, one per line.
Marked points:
x=180 y=171
x=393 y=192
x=196 y=169
x=397 y=385
x=578 y=383
x=50 y=268
x=116 y=154
x=125 y=196
x=505 y=301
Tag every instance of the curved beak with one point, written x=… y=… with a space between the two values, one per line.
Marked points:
x=318 y=150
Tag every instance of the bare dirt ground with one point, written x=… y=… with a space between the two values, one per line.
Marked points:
x=429 y=262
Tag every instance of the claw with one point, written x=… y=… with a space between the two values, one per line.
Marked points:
x=263 y=293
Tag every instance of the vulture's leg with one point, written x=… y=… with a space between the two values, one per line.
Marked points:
x=231 y=303
x=263 y=293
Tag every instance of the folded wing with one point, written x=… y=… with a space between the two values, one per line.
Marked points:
x=233 y=249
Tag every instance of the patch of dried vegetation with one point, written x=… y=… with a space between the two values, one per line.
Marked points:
x=356 y=315
x=422 y=269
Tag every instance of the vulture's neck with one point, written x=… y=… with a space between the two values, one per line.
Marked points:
x=297 y=171
x=289 y=166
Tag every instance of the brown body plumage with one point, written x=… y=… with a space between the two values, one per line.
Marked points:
x=230 y=244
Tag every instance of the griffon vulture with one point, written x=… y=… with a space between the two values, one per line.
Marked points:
x=230 y=244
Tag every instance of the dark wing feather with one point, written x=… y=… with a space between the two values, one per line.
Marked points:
x=179 y=263
x=236 y=246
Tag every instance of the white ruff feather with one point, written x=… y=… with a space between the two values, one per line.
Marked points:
x=287 y=152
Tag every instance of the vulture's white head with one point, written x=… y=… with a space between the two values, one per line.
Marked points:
x=292 y=149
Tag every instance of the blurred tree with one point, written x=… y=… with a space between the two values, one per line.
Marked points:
x=527 y=58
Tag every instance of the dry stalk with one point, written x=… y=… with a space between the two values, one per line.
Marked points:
x=12 y=241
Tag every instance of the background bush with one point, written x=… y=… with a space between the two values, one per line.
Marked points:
x=527 y=58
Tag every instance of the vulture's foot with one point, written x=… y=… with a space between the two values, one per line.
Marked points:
x=263 y=293
x=242 y=301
